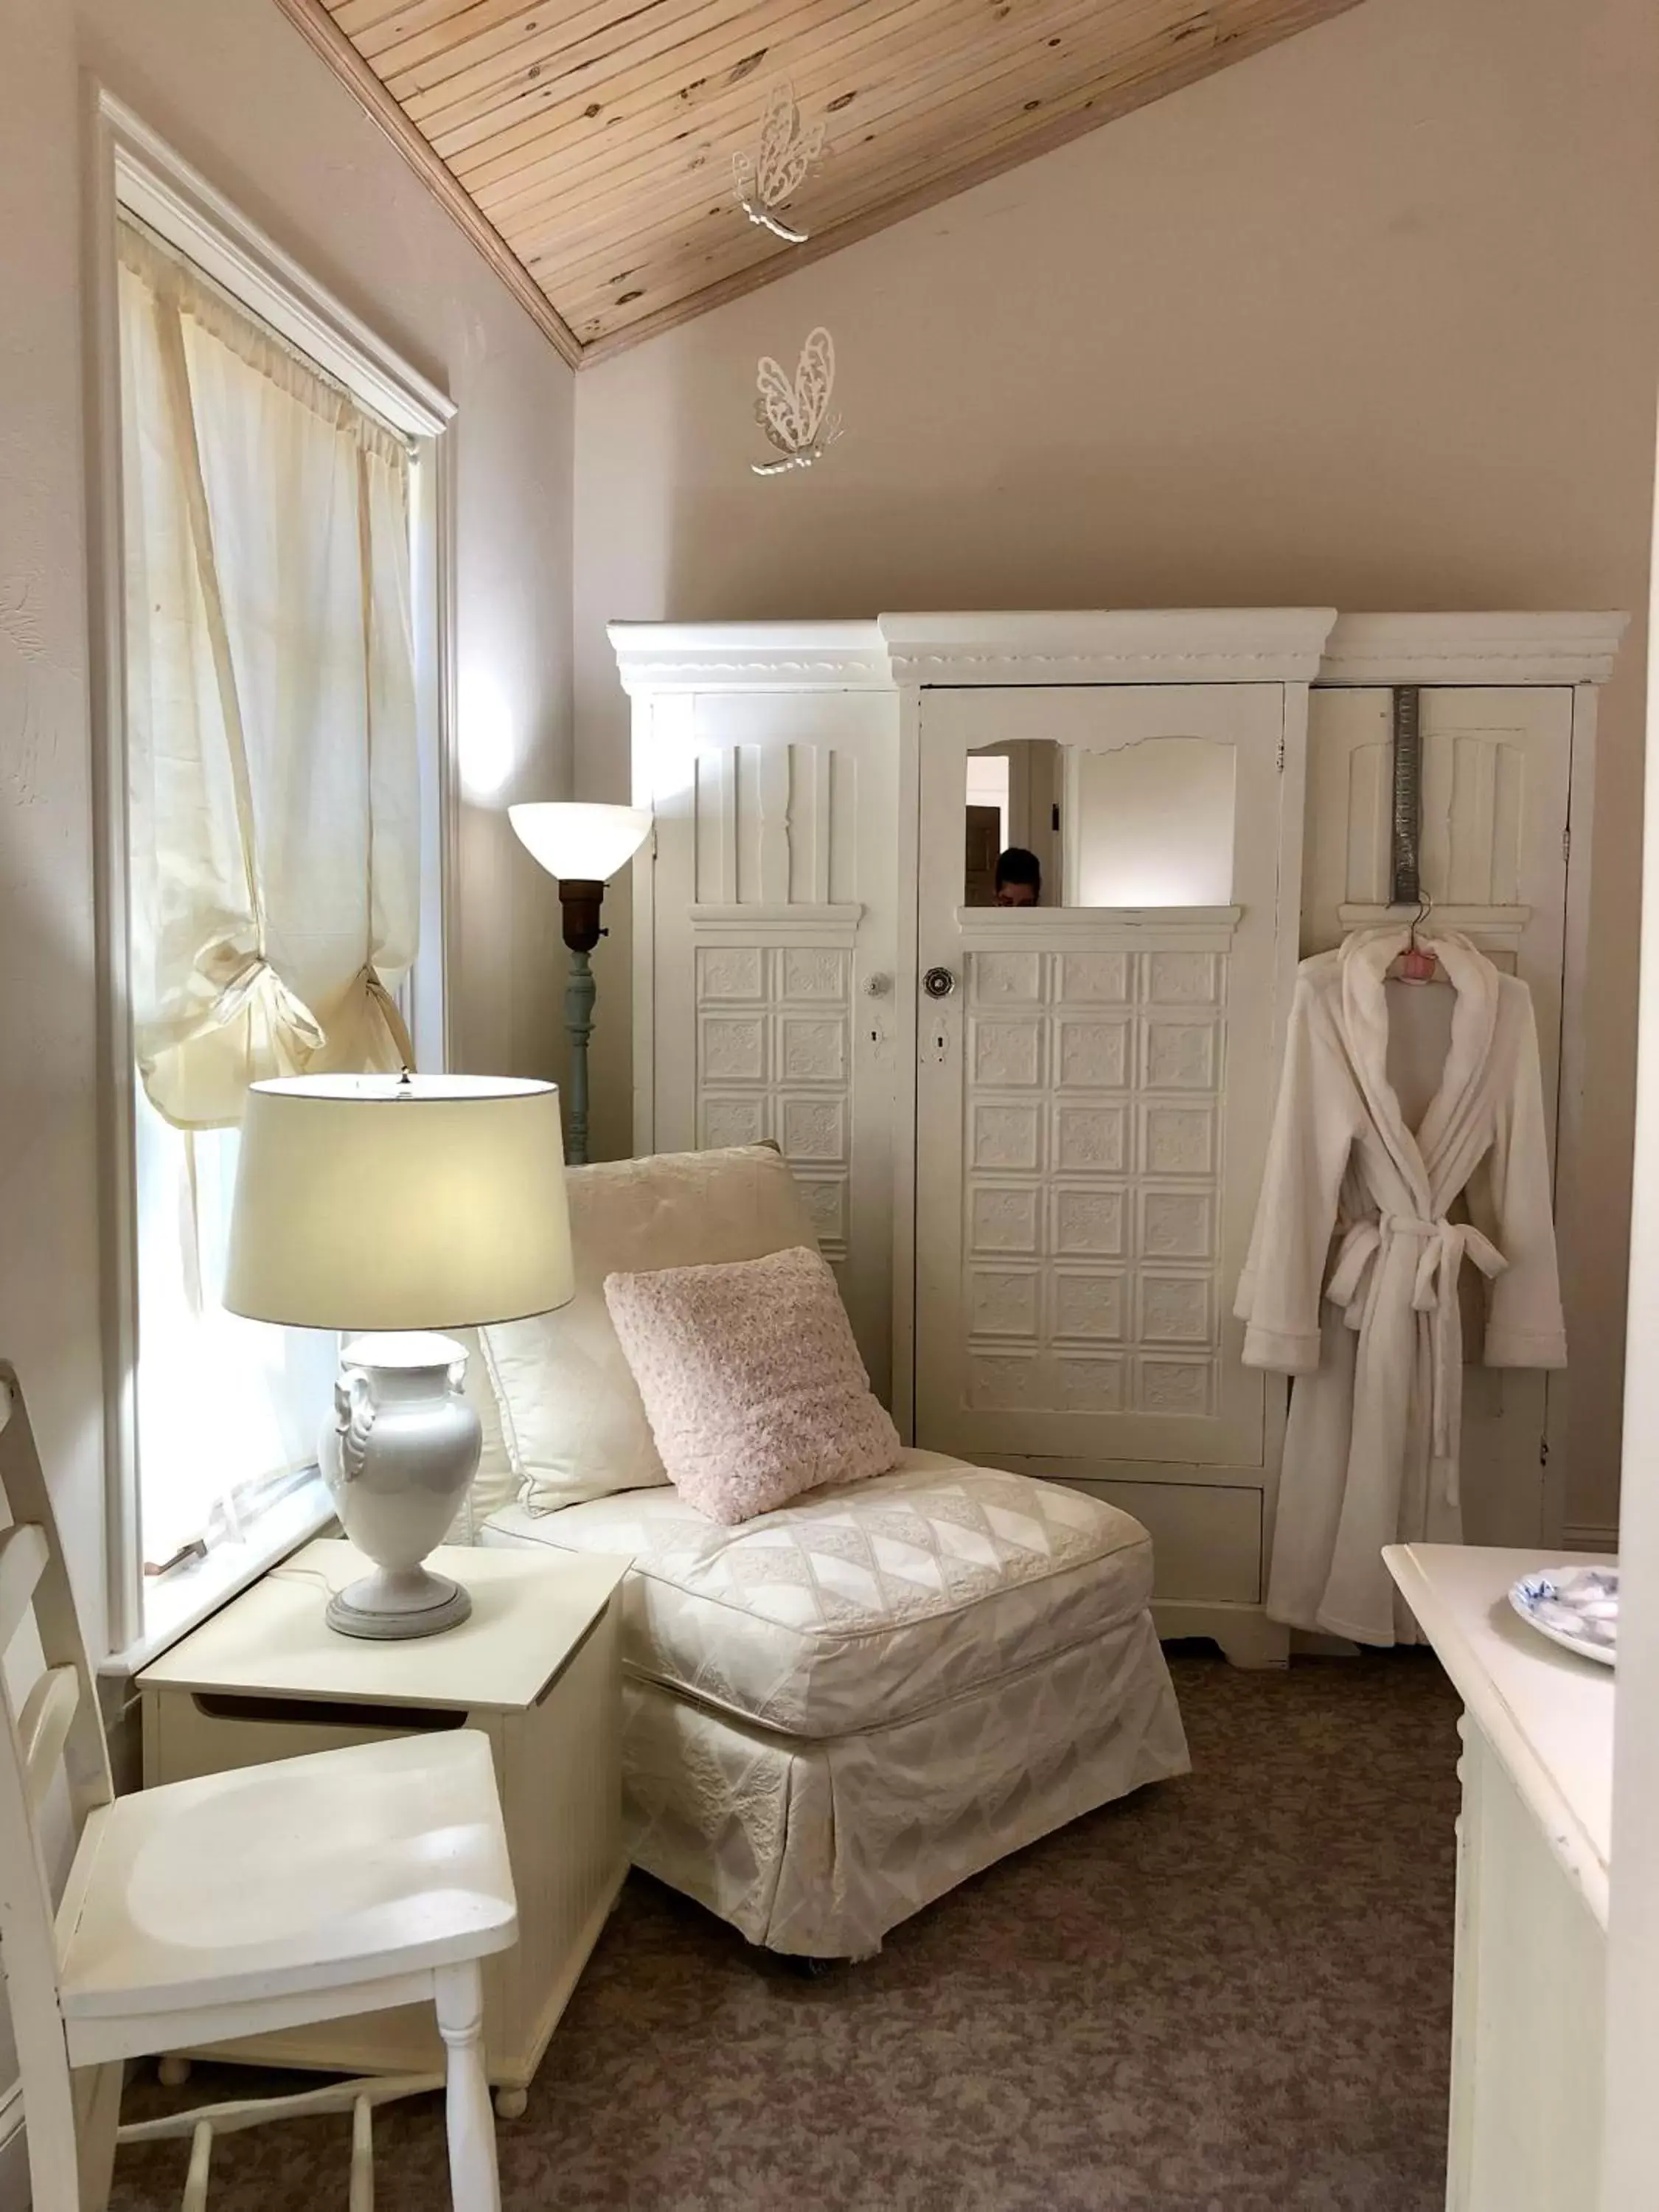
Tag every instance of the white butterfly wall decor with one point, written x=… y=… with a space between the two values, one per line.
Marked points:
x=767 y=180
x=796 y=416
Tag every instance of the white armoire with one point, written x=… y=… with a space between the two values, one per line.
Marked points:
x=1031 y=1137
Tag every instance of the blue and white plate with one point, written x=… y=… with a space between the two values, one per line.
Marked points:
x=1576 y=1606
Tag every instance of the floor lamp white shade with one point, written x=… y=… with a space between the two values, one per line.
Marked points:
x=571 y=838
x=401 y=1205
x=583 y=845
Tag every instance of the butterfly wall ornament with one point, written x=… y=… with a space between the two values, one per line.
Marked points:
x=796 y=415
x=767 y=179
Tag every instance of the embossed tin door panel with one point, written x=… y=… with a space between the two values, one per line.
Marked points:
x=772 y=912
x=1094 y=1093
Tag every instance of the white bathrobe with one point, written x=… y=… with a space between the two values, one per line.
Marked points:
x=1352 y=1283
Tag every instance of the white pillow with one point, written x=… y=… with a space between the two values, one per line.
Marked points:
x=571 y=1416
x=495 y=1485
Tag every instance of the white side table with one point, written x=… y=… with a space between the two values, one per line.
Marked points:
x=537 y=1668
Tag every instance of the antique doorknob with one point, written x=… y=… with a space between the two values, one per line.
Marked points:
x=938 y=982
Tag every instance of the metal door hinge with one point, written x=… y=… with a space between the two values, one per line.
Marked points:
x=1281 y=752
x=1543 y=1451
x=1566 y=842
x=1405 y=885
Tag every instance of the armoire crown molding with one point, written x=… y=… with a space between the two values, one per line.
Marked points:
x=786 y=656
x=1227 y=645
x=1231 y=645
x=1472 y=648
x=1198 y=645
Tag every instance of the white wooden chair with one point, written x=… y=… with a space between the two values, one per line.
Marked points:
x=269 y=1897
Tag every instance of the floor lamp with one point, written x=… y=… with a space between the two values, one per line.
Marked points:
x=583 y=846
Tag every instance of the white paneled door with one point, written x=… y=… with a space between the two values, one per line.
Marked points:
x=772 y=923
x=1095 y=1085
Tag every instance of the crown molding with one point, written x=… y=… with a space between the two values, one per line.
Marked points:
x=1224 y=645
x=1472 y=648
x=768 y=656
x=318 y=28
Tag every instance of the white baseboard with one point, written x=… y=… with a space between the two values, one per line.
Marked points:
x=1588 y=1536
x=13 y=2152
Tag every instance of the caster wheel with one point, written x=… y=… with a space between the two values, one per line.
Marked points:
x=510 y=2104
x=174 y=2072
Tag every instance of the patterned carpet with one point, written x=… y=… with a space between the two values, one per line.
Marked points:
x=1228 y=1994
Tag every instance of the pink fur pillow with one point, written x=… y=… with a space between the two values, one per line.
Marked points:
x=751 y=1381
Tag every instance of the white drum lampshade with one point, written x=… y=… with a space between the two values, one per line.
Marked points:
x=401 y=1205
x=388 y=1202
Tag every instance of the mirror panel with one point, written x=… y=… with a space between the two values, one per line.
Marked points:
x=1146 y=824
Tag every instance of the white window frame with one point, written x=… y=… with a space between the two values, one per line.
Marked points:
x=135 y=172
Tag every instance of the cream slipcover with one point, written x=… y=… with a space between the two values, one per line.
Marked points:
x=863 y=1605
x=819 y=1843
x=819 y=1848
x=834 y=1713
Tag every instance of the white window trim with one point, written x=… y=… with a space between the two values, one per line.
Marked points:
x=135 y=172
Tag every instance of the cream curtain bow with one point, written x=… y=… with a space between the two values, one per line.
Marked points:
x=273 y=774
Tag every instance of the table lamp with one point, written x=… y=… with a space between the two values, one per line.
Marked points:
x=401 y=1205
x=583 y=845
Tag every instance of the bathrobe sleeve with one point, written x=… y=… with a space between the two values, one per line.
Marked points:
x=1314 y=1123
x=1524 y=1327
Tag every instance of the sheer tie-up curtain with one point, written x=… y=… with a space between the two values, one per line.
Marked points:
x=273 y=831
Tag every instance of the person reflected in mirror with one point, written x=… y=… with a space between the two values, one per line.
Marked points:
x=1019 y=878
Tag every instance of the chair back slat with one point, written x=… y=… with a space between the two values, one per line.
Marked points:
x=27 y=1500
x=23 y=1556
x=58 y=1730
x=43 y=1726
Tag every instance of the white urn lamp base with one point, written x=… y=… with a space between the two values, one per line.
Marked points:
x=398 y=1458
x=386 y=1606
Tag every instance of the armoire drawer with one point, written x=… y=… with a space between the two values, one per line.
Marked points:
x=1206 y=1537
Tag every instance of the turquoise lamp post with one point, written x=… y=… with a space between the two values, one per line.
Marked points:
x=582 y=846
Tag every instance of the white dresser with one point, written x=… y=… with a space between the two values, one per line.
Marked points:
x=1532 y=1887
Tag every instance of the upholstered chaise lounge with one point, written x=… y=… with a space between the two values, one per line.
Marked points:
x=838 y=1710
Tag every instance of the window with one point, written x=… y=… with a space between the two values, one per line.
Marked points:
x=274 y=827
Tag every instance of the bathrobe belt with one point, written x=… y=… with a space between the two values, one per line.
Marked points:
x=1444 y=1246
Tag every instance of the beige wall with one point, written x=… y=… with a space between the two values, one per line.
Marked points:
x=1370 y=321
x=236 y=91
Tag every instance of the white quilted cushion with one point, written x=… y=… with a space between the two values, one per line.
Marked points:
x=571 y=1417
x=866 y=1604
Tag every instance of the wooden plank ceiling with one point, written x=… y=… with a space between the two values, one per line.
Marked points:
x=592 y=140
